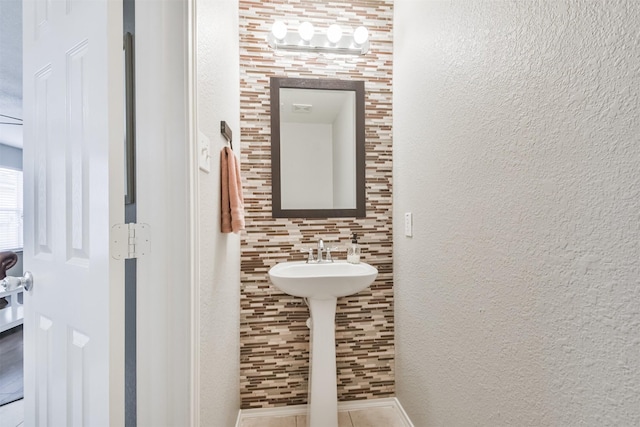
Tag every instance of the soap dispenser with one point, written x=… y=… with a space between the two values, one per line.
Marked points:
x=353 y=252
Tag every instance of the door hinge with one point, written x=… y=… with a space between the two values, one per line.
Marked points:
x=130 y=240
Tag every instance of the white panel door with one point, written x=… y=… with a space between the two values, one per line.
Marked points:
x=74 y=191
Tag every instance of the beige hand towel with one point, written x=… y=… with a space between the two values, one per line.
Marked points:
x=232 y=201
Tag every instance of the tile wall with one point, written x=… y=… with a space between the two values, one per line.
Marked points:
x=274 y=339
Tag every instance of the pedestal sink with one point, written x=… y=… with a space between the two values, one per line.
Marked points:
x=321 y=284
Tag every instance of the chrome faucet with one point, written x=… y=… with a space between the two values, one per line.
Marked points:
x=320 y=250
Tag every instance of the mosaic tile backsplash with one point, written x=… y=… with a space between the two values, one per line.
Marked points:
x=274 y=338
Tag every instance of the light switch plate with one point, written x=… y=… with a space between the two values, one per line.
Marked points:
x=204 y=152
x=408 y=224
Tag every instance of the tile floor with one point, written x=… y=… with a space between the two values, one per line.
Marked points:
x=12 y=414
x=370 y=417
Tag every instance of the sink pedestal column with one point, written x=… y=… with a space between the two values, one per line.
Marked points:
x=323 y=393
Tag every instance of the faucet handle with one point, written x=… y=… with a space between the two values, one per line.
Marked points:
x=309 y=251
x=328 y=251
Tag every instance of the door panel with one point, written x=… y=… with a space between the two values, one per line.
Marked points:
x=43 y=370
x=42 y=166
x=77 y=155
x=77 y=386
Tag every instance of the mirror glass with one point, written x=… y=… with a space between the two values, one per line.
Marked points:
x=317 y=145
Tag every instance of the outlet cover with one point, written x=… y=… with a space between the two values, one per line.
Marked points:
x=408 y=224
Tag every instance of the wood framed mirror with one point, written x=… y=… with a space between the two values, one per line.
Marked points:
x=317 y=148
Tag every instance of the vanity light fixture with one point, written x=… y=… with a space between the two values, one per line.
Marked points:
x=306 y=31
x=334 y=33
x=279 y=30
x=334 y=39
x=360 y=36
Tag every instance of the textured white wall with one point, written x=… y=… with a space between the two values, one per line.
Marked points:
x=218 y=99
x=516 y=146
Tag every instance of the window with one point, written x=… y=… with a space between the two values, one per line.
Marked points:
x=10 y=209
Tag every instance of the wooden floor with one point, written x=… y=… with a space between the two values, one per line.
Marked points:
x=11 y=369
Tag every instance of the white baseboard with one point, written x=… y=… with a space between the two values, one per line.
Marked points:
x=288 y=411
x=402 y=414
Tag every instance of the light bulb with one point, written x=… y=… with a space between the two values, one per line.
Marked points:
x=279 y=30
x=334 y=33
x=360 y=35
x=306 y=31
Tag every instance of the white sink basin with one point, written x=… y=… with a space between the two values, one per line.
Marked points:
x=323 y=280
x=322 y=283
